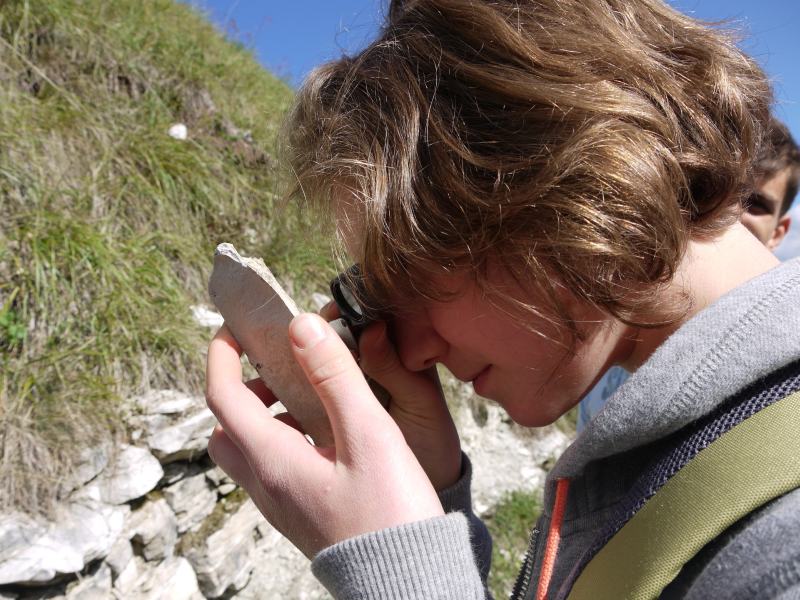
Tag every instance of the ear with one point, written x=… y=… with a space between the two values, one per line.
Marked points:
x=780 y=231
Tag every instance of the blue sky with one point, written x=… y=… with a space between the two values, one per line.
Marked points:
x=291 y=37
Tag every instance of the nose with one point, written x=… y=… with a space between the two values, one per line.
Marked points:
x=418 y=344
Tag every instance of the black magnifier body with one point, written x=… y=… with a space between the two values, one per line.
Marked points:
x=347 y=289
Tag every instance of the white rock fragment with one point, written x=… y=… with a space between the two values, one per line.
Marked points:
x=173 y=579
x=223 y=561
x=192 y=500
x=175 y=426
x=178 y=131
x=258 y=311
x=35 y=552
x=90 y=463
x=94 y=587
x=282 y=572
x=154 y=528
x=120 y=556
x=132 y=472
x=125 y=582
x=207 y=318
x=504 y=457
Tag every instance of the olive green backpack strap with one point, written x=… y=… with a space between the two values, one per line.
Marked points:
x=753 y=463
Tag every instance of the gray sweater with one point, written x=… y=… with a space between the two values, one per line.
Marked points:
x=747 y=334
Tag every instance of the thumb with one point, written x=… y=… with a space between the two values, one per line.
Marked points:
x=331 y=369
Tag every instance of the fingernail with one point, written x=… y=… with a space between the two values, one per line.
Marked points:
x=307 y=331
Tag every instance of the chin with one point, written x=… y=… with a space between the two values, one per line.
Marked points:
x=528 y=416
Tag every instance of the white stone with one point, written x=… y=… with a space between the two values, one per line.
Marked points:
x=37 y=552
x=176 y=426
x=192 y=500
x=120 y=556
x=217 y=476
x=131 y=473
x=165 y=402
x=126 y=580
x=258 y=311
x=223 y=561
x=154 y=528
x=94 y=587
x=505 y=457
x=172 y=579
x=185 y=439
x=90 y=463
x=282 y=571
x=178 y=131
x=227 y=488
x=206 y=317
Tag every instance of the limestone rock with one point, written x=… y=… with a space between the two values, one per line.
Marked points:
x=281 y=571
x=226 y=488
x=258 y=311
x=126 y=580
x=91 y=463
x=207 y=318
x=120 y=555
x=175 y=426
x=223 y=561
x=94 y=587
x=175 y=471
x=154 y=529
x=178 y=131
x=505 y=457
x=36 y=552
x=131 y=473
x=191 y=499
x=172 y=579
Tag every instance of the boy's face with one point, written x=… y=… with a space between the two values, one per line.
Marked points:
x=762 y=217
x=531 y=374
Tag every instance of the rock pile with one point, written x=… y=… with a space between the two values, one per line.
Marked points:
x=157 y=520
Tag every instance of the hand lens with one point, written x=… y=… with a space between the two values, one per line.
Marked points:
x=347 y=289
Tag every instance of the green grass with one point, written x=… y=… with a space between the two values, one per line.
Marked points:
x=108 y=225
x=510 y=524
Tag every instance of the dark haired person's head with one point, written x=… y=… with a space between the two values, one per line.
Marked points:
x=777 y=175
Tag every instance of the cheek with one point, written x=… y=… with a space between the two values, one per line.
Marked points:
x=760 y=226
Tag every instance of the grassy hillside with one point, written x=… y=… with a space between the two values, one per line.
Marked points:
x=107 y=224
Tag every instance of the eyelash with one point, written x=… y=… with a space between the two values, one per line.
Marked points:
x=755 y=206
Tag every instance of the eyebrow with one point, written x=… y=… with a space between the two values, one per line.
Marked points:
x=764 y=198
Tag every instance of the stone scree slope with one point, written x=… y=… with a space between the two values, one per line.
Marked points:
x=155 y=519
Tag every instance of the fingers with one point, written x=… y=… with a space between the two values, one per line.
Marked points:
x=260 y=389
x=227 y=456
x=330 y=311
x=337 y=379
x=241 y=412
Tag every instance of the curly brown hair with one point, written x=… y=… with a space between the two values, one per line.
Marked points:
x=579 y=143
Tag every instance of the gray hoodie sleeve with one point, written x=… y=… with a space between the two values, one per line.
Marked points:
x=445 y=557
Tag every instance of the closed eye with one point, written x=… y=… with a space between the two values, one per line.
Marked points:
x=758 y=205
